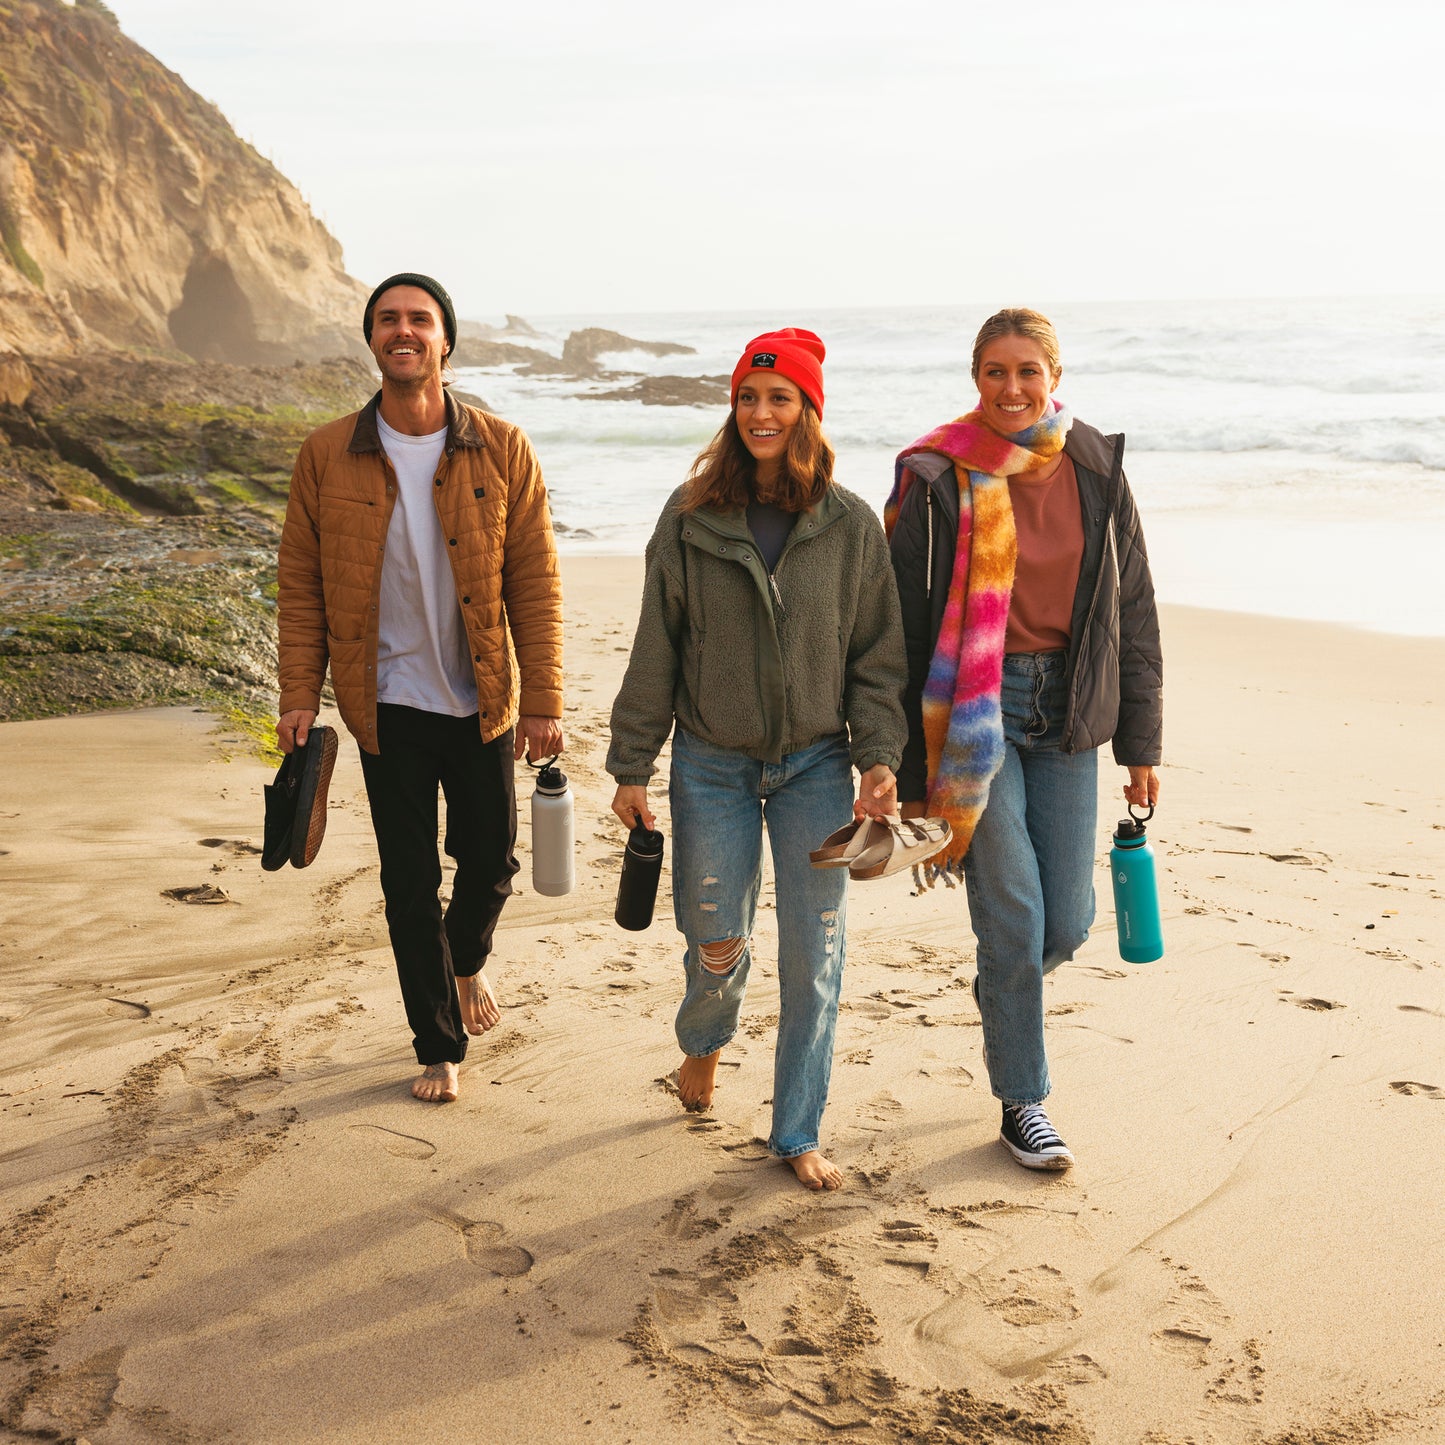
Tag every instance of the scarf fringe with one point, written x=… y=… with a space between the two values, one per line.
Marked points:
x=950 y=874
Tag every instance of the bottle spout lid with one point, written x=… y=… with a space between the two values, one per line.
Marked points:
x=644 y=841
x=550 y=778
x=1131 y=829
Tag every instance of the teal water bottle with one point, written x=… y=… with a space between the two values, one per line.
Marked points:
x=1136 y=891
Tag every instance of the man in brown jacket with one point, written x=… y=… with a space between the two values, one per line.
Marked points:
x=417 y=559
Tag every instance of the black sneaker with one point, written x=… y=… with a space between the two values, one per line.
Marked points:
x=1031 y=1139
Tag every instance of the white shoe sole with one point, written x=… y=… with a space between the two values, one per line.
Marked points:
x=1054 y=1162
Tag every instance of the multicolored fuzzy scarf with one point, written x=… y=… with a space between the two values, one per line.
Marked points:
x=962 y=716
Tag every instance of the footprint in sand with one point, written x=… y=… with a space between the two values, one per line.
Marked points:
x=1413 y=1089
x=240 y=847
x=684 y=1222
x=1184 y=1341
x=481 y=1238
x=1299 y=860
x=1037 y=1296
x=954 y=1074
x=1316 y=1005
x=1078 y=1370
x=909 y=1245
x=203 y=893
x=80 y=1398
x=403 y=1146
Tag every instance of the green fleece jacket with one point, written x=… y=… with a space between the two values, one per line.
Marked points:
x=764 y=665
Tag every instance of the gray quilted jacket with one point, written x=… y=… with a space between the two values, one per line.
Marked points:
x=764 y=664
x=1115 y=669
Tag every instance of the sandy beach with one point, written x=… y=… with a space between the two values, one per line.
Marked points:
x=225 y=1219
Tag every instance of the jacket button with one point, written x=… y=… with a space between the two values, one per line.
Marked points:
x=484 y=712
x=465 y=600
x=477 y=657
x=451 y=541
x=439 y=481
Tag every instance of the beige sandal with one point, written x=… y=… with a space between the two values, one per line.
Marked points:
x=899 y=843
x=840 y=848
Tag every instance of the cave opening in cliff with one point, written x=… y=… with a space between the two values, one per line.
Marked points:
x=213 y=321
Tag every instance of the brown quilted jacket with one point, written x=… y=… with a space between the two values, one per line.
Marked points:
x=493 y=509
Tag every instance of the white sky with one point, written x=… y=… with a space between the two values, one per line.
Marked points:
x=641 y=155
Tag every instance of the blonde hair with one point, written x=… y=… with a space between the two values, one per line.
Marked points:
x=1020 y=321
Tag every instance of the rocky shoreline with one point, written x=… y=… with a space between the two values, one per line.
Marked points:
x=141 y=501
x=140 y=506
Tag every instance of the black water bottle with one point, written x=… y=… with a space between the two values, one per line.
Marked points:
x=641 y=868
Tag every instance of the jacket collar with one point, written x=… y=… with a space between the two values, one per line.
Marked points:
x=461 y=430
x=828 y=508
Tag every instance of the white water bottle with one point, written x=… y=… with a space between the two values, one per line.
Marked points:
x=552 y=832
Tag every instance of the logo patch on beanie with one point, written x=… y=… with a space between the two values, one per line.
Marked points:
x=764 y=358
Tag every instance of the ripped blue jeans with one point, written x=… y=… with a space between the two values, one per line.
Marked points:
x=720 y=800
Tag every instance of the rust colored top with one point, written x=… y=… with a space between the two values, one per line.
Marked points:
x=492 y=506
x=1050 y=529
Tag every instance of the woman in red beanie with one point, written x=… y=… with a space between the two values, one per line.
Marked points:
x=770 y=638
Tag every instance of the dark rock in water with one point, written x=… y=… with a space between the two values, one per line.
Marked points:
x=582 y=348
x=477 y=351
x=668 y=391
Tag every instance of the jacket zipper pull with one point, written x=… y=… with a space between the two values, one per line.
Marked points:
x=777 y=595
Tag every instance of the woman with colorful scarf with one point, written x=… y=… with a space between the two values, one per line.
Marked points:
x=766 y=639
x=1032 y=637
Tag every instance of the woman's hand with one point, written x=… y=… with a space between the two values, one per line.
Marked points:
x=877 y=793
x=1142 y=789
x=630 y=804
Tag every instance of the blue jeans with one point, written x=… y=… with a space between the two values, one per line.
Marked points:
x=1030 y=873
x=719 y=801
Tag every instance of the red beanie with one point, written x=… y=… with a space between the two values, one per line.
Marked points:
x=791 y=352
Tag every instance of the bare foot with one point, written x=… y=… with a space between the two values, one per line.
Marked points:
x=816 y=1172
x=436 y=1084
x=479 y=1004
x=696 y=1079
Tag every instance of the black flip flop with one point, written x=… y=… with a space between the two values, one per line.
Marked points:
x=296 y=802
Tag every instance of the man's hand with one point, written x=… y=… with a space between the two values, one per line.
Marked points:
x=539 y=737
x=877 y=793
x=292 y=728
x=630 y=803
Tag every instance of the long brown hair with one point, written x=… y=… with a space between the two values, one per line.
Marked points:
x=724 y=476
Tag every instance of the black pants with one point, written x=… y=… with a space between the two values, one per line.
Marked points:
x=418 y=751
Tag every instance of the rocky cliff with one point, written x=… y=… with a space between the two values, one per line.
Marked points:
x=133 y=217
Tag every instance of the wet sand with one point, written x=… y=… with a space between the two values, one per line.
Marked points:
x=224 y=1218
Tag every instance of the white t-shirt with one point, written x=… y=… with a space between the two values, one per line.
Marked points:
x=422 y=659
